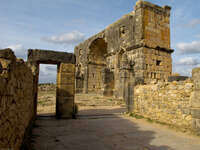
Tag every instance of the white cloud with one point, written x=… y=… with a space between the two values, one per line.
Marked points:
x=188 y=48
x=198 y=35
x=183 y=70
x=189 y=61
x=185 y=65
x=193 y=23
x=71 y=38
x=19 y=50
x=47 y=73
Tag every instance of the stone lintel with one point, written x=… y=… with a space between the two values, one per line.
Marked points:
x=50 y=57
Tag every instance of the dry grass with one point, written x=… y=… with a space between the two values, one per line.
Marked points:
x=46 y=102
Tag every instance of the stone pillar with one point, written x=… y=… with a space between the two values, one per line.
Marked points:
x=65 y=91
x=85 y=82
x=195 y=100
x=108 y=82
x=34 y=66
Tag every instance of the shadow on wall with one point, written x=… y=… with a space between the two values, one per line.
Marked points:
x=105 y=133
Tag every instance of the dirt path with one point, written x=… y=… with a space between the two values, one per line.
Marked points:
x=102 y=127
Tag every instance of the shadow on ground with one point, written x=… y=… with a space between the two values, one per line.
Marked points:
x=105 y=133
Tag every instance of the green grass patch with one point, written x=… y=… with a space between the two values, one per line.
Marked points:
x=136 y=116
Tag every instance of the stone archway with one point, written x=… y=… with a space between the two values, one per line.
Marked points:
x=96 y=65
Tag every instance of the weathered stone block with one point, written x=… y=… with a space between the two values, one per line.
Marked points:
x=195 y=73
x=66 y=90
x=65 y=107
x=195 y=99
x=65 y=78
x=195 y=113
x=7 y=54
x=67 y=68
x=196 y=125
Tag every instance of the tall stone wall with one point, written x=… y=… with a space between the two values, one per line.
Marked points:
x=16 y=100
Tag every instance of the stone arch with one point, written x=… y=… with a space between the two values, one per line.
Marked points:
x=97 y=51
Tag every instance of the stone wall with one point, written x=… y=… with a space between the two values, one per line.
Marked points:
x=166 y=102
x=195 y=100
x=16 y=100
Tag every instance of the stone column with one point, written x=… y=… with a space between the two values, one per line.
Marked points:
x=85 y=82
x=65 y=91
x=108 y=82
x=34 y=66
x=195 y=100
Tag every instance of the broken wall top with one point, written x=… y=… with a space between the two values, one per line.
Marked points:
x=147 y=26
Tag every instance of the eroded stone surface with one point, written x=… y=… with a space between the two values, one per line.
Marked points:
x=16 y=100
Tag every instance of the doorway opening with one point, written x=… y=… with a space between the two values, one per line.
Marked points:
x=46 y=100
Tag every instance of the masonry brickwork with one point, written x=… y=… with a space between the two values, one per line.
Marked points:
x=166 y=102
x=16 y=100
x=174 y=103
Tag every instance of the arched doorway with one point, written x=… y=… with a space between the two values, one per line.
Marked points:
x=96 y=64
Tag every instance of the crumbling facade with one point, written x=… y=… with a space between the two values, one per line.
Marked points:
x=136 y=47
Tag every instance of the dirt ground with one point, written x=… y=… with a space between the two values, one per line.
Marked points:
x=102 y=125
x=46 y=102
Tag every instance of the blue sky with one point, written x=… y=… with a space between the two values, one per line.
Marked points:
x=62 y=24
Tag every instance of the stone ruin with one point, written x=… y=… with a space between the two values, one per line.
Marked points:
x=65 y=78
x=130 y=59
x=136 y=47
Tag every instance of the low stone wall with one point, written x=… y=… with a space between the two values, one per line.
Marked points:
x=166 y=102
x=47 y=87
x=16 y=100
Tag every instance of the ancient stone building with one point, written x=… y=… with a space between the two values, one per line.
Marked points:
x=136 y=47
